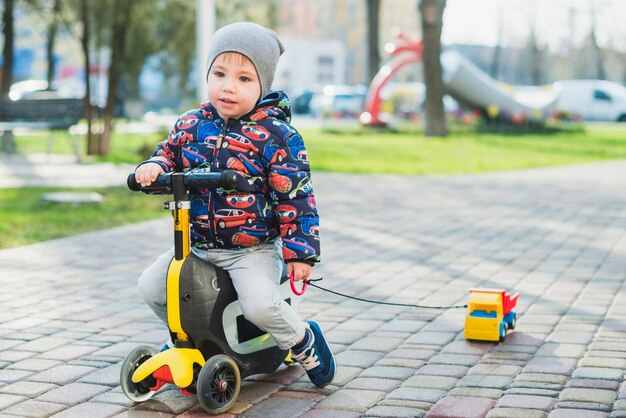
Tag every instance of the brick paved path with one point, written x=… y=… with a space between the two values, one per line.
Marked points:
x=69 y=311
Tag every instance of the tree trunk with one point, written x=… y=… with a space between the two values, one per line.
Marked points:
x=373 y=8
x=432 y=22
x=7 y=51
x=92 y=139
x=52 y=34
x=121 y=21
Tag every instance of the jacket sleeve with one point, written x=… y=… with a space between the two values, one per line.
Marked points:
x=293 y=199
x=167 y=153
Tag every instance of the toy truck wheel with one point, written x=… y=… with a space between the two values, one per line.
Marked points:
x=511 y=325
x=502 y=331
x=218 y=384
x=137 y=392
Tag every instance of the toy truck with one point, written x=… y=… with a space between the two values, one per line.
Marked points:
x=490 y=314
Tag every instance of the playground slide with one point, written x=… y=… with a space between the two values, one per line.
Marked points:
x=472 y=87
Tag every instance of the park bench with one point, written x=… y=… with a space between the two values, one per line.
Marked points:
x=44 y=113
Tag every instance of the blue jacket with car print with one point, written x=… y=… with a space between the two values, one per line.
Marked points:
x=274 y=195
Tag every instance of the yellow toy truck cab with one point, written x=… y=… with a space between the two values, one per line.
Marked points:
x=489 y=314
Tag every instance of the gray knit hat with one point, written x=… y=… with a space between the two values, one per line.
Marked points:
x=260 y=44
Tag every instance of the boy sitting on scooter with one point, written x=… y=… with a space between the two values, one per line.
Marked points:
x=272 y=217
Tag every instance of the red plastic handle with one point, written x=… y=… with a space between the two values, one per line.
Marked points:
x=292 y=283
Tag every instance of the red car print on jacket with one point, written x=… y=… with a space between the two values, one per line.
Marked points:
x=244 y=240
x=256 y=132
x=239 y=143
x=287 y=229
x=286 y=213
x=234 y=164
x=186 y=122
x=279 y=183
x=229 y=218
x=241 y=200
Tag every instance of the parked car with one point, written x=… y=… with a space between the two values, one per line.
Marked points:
x=339 y=101
x=301 y=103
x=599 y=100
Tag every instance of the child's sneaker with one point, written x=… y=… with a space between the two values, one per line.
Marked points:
x=316 y=357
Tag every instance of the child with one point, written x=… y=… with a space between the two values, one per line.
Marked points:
x=245 y=127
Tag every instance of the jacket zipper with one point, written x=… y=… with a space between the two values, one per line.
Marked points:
x=215 y=167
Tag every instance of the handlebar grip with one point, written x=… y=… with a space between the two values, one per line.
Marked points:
x=226 y=179
x=132 y=183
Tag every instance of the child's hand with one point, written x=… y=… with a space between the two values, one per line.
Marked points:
x=145 y=174
x=301 y=271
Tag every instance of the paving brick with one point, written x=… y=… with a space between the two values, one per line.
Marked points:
x=169 y=401
x=515 y=413
x=485 y=381
x=460 y=407
x=543 y=403
x=91 y=410
x=495 y=369
x=588 y=395
x=370 y=343
x=551 y=365
x=458 y=359
x=417 y=394
x=532 y=391
x=279 y=408
x=254 y=392
x=451 y=370
x=43 y=344
x=400 y=362
x=358 y=358
x=388 y=372
x=316 y=397
x=553 y=349
x=556 y=379
x=608 y=362
x=403 y=326
x=466 y=347
x=343 y=375
x=344 y=337
x=68 y=352
x=61 y=375
x=30 y=389
x=598 y=373
x=385 y=385
x=431 y=382
x=412 y=353
x=432 y=338
x=476 y=392
x=10 y=376
x=7 y=400
x=329 y=413
x=35 y=364
x=352 y=400
x=589 y=406
x=593 y=384
x=32 y=408
x=73 y=393
x=394 y=411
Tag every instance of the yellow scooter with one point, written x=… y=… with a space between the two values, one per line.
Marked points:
x=214 y=345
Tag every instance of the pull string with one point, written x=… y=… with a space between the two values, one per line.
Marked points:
x=408 y=305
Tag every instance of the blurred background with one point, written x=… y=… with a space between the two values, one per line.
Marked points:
x=377 y=86
x=140 y=59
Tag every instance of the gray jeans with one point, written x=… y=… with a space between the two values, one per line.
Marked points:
x=255 y=273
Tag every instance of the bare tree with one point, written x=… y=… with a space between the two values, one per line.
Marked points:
x=7 y=51
x=600 y=71
x=432 y=22
x=53 y=27
x=373 y=53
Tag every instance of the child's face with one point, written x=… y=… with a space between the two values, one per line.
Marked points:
x=234 y=86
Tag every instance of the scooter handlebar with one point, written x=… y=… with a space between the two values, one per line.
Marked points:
x=226 y=179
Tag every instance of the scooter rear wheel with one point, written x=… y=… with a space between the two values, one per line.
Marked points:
x=218 y=385
x=137 y=392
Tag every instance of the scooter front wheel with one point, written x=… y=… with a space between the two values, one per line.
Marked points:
x=218 y=385
x=137 y=392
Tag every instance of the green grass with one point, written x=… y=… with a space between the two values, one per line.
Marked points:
x=355 y=150
x=26 y=219
x=358 y=150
